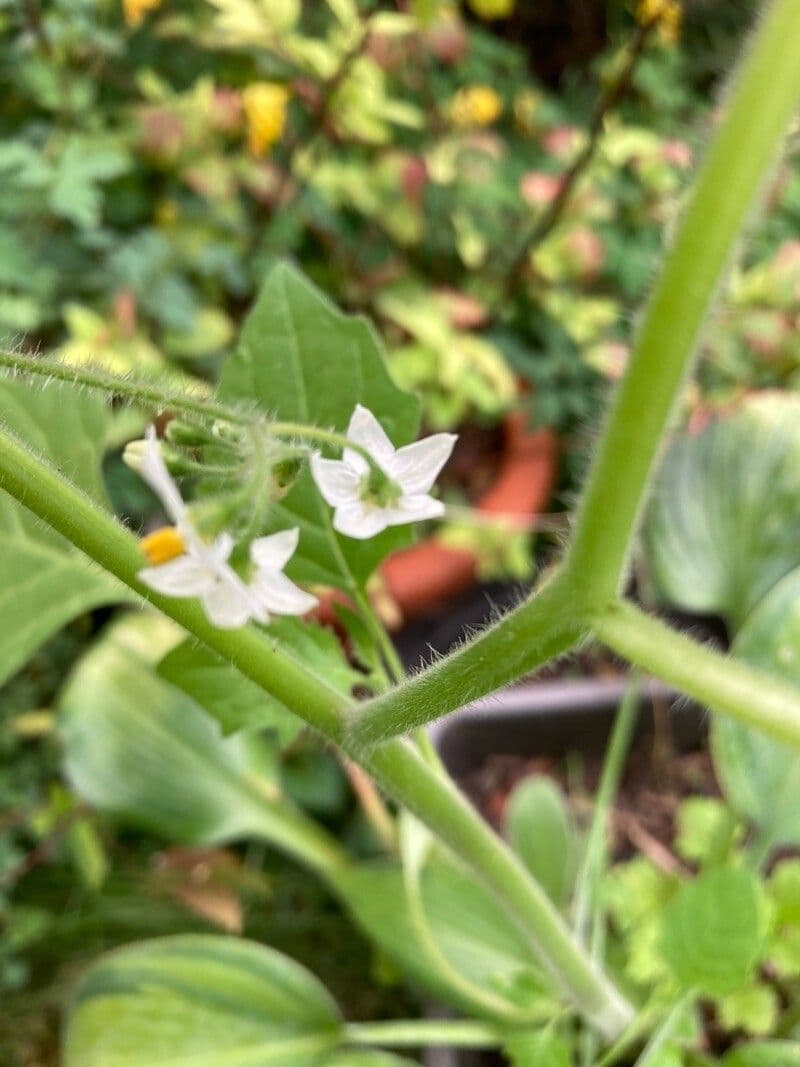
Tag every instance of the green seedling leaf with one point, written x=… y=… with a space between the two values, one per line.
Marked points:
x=711 y=933
x=783 y=894
x=200 y=1001
x=540 y=830
x=44 y=581
x=706 y=830
x=755 y=1009
x=723 y=526
x=760 y=776
x=300 y=359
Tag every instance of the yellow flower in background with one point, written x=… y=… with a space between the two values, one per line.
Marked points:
x=667 y=13
x=492 y=9
x=265 y=110
x=475 y=105
x=135 y=10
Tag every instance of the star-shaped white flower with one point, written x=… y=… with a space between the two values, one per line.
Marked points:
x=363 y=510
x=193 y=568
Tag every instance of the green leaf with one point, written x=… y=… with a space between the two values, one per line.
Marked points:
x=754 y=1008
x=761 y=776
x=199 y=1001
x=542 y=1049
x=44 y=581
x=711 y=933
x=239 y=704
x=300 y=359
x=765 y=1054
x=706 y=830
x=140 y=749
x=724 y=526
x=540 y=830
x=471 y=932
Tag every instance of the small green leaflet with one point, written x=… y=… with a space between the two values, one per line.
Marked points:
x=200 y=1001
x=44 y=581
x=299 y=359
x=712 y=931
x=239 y=704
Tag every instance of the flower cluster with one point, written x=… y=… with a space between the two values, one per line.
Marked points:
x=265 y=106
x=370 y=489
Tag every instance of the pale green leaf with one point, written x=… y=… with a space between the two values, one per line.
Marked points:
x=724 y=525
x=199 y=1001
x=44 y=581
x=706 y=829
x=140 y=749
x=761 y=776
x=540 y=830
x=712 y=931
x=239 y=704
x=542 y=1049
x=301 y=359
x=470 y=931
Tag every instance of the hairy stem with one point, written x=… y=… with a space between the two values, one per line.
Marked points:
x=760 y=105
x=721 y=683
x=153 y=395
x=397 y=766
x=523 y=640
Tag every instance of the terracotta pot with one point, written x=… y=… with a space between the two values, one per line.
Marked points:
x=420 y=579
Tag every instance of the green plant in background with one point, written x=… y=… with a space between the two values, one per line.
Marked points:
x=193 y=738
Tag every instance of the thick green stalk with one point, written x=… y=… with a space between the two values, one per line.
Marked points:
x=397 y=766
x=760 y=104
x=542 y=628
x=719 y=682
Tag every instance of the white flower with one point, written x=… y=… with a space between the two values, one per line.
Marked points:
x=193 y=568
x=362 y=508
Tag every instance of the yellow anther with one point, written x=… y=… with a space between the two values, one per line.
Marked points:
x=163 y=545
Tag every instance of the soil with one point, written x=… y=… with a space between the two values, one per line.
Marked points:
x=655 y=781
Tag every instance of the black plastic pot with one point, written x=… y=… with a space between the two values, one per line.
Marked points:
x=548 y=718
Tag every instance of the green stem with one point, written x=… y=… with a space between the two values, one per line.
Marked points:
x=719 y=682
x=423 y=1033
x=144 y=392
x=546 y=626
x=397 y=766
x=758 y=109
x=596 y=850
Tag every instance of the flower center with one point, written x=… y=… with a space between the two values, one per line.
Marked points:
x=379 y=490
x=163 y=545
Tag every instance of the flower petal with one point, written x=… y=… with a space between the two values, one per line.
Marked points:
x=280 y=595
x=337 y=481
x=366 y=431
x=228 y=606
x=416 y=467
x=275 y=551
x=416 y=508
x=359 y=520
x=184 y=576
x=154 y=471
